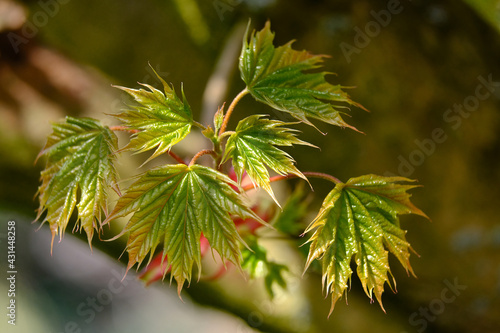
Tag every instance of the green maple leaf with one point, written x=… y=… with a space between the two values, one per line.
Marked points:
x=275 y=76
x=161 y=119
x=252 y=146
x=174 y=204
x=360 y=219
x=80 y=167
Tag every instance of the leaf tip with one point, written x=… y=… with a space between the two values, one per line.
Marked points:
x=180 y=284
x=52 y=242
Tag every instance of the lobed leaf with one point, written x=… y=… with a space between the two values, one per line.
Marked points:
x=252 y=147
x=79 y=169
x=174 y=204
x=277 y=77
x=161 y=119
x=360 y=219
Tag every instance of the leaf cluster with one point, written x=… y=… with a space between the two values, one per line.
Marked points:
x=177 y=207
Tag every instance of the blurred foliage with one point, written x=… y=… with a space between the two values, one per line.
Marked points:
x=488 y=9
x=256 y=263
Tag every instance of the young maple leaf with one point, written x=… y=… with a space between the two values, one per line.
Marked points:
x=360 y=219
x=175 y=204
x=252 y=147
x=276 y=76
x=80 y=167
x=161 y=119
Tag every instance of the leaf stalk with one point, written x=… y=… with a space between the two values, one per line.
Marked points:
x=176 y=157
x=231 y=108
x=123 y=129
x=201 y=153
x=290 y=175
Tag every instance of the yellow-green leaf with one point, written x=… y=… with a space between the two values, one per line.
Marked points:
x=276 y=76
x=360 y=219
x=175 y=204
x=252 y=147
x=161 y=119
x=79 y=169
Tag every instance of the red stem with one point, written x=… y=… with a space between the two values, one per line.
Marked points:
x=321 y=175
x=176 y=157
x=307 y=174
x=201 y=153
x=123 y=129
x=231 y=108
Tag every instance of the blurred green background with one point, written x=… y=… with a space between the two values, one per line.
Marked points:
x=418 y=66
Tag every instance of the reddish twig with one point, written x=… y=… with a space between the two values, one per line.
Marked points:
x=321 y=175
x=307 y=174
x=176 y=157
x=231 y=108
x=123 y=129
x=201 y=153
